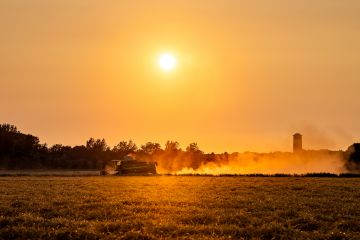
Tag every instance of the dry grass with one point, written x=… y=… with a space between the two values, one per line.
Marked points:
x=49 y=173
x=179 y=207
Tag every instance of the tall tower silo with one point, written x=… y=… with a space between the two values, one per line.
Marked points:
x=297 y=142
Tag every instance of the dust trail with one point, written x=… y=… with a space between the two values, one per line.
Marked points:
x=271 y=163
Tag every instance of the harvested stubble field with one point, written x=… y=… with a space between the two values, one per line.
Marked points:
x=167 y=207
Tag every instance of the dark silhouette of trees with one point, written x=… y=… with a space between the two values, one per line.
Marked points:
x=150 y=148
x=18 y=150
x=24 y=151
x=195 y=155
x=8 y=128
x=59 y=156
x=172 y=146
x=352 y=154
x=124 y=148
x=192 y=148
x=98 y=145
x=149 y=152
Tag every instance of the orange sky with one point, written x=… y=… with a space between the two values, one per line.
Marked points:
x=249 y=73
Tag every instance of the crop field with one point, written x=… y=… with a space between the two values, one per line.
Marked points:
x=49 y=173
x=185 y=207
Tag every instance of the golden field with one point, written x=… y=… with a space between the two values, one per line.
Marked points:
x=185 y=207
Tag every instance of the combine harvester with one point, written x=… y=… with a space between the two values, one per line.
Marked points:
x=130 y=166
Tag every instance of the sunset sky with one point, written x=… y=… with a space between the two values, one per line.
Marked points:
x=248 y=74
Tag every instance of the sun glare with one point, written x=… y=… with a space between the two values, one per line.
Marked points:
x=167 y=62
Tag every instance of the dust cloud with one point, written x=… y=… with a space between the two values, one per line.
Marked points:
x=271 y=163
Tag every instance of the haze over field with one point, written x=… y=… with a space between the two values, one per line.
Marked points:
x=248 y=73
x=275 y=163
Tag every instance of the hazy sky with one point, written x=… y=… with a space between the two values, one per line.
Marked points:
x=249 y=73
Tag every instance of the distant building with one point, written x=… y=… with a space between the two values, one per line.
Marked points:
x=297 y=143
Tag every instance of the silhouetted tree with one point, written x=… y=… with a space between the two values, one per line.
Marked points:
x=150 y=148
x=149 y=152
x=193 y=148
x=353 y=158
x=172 y=146
x=124 y=148
x=8 y=128
x=98 y=145
x=195 y=155
x=18 y=150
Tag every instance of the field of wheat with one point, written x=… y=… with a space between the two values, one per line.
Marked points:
x=186 y=207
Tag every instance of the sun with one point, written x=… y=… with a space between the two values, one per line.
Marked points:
x=167 y=61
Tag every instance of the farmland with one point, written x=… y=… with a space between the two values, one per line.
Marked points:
x=189 y=207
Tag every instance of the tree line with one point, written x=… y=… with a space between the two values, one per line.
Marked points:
x=24 y=151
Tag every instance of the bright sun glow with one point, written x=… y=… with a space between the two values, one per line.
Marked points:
x=167 y=62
